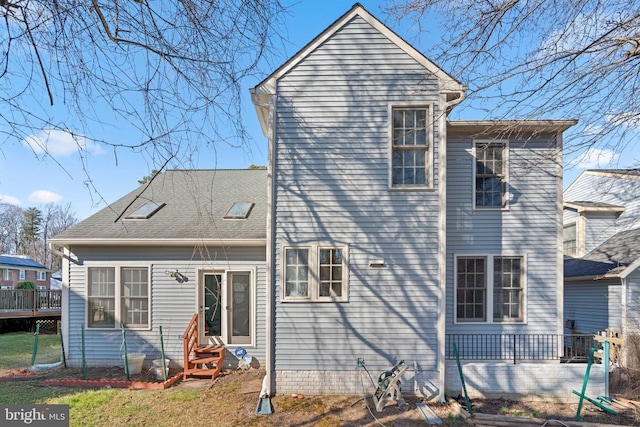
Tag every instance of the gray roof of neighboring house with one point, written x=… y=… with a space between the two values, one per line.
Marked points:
x=632 y=172
x=18 y=262
x=196 y=203
x=618 y=251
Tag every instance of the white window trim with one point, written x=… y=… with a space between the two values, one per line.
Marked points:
x=224 y=271
x=118 y=294
x=22 y=275
x=506 y=165
x=489 y=258
x=345 y=273
x=5 y=274
x=38 y=275
x=429 y=168
x=314 y=273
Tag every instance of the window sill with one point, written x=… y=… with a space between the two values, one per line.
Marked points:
x=412 y=188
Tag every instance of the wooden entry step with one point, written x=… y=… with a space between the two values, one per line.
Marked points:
x=200 y=361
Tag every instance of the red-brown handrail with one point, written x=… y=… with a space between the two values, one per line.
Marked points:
x=190 y=340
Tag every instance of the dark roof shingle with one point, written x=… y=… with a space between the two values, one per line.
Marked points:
x=196 y=202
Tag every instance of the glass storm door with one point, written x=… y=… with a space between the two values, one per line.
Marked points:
x=211 y=311
x=240 y=321
x=226 y=301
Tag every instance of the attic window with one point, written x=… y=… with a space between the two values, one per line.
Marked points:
x=239 y=210
x=145 y=211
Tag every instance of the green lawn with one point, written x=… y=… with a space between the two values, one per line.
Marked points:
x=16 y=350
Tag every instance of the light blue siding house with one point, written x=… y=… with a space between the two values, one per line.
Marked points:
x=601 y=241
x=393 y=232
x=189 y=243
x=380 y=231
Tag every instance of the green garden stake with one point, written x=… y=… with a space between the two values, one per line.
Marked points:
x=64 y=358
x=164 y=362
x=35 y=345
x=584 y=384
x=464 y=387
x=126 y=359
x=84 y=359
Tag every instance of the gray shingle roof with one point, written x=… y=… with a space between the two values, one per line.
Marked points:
x=618 y=251
x=631 y=172
x=8 y=261
x=196 y=202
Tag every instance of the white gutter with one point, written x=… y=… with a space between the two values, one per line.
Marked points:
x=441 y=326
x=270 y=278
x=163 y=242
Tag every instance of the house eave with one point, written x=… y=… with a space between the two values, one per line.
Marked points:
x=158 y=242
x=581 y=208
x=593 y=278
x=511 y=125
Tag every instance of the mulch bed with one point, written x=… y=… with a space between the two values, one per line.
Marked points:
x=113 y=377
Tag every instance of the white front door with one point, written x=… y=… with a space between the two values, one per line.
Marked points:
x=225 y=304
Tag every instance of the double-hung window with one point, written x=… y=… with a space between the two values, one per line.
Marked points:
x=22 y=275
x=118 y=295
x=490 y=281
x=5 y=274
x=315 y=273
x=490 y=175
x=41 y=275
x=410 y=147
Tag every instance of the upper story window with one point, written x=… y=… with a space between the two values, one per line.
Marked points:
x=490 y=175
x=22 y=275
x=569 y=239
x=411 y=147
x=483 y=282
x=5 y=274
x=41 y=275
x=315 y=273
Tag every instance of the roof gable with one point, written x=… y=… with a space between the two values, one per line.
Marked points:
x=447 y=82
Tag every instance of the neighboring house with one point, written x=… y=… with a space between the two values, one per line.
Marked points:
x=601 y=242
x=381 y=231
x=21 y=268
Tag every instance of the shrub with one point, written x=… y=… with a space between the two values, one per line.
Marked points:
x=25 y=285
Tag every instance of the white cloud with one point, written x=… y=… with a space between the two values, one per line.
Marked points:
x=9 y=199
x=59 y=143
x=595 y=158
x=44 y=196
x=628 y=119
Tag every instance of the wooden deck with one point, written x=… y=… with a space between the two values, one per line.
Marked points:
x=30 y=304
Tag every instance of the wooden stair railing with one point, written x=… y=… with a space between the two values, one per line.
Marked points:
x=200 y=361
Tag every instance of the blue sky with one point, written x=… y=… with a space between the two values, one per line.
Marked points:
x=29 y=178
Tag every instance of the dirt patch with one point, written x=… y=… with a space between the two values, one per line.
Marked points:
x=234 y=396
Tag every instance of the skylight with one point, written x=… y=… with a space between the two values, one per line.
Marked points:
x=239 y=210
x=145 y=211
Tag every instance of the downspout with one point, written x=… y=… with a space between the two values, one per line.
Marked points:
x=448 y=100
x=559 y=231
x=269 y=345
x=65 y=254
